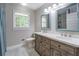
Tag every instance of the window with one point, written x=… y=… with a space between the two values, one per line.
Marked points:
x=21 y=20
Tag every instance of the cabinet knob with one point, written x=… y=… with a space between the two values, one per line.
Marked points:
x=41 y=42
x=59 y=45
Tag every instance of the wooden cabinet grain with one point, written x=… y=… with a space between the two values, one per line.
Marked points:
x=37 y=43
x=64 y=50
x=55 y=52
x=49 y=47
x=42 y=45
x=45 y=47
x=64 y=53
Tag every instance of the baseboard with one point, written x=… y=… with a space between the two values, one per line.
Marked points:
x=14 y=46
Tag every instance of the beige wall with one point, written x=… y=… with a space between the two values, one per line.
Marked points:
x=13 y=36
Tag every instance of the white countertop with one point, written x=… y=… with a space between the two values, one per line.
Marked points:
x=66 y=40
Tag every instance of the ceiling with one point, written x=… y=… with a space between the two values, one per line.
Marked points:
x=34 y=6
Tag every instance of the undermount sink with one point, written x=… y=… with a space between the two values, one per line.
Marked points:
x=61 y=37
x=68 y=38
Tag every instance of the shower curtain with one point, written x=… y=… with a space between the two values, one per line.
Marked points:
x=2 y=30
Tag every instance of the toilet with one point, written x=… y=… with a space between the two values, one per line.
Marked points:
x=30 y=42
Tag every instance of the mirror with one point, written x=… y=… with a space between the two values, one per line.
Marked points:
x=68 y=18
x=45 y=21
x=61 y=19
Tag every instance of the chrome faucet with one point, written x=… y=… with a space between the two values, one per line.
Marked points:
x=64 y=34
x=44 y=30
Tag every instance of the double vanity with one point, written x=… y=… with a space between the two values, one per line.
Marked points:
x=47 y=44
x=67 y=19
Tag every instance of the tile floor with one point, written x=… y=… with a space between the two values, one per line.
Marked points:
x=22 y=51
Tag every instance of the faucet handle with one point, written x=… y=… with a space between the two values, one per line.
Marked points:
x=61 y=34
x=65 y=35
x=70 y=35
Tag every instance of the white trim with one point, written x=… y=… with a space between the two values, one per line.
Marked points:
x=14 y=46
x=21 y=14
x=14 y=18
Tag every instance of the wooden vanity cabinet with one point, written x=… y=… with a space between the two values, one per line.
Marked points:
x=42 y=45
x=55 y=52
x=62 y=49
x=64 y=53
x=50 y=47
x=46 y=46
x=37 y=43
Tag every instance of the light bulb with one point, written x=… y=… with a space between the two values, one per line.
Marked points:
x=54 y=5
x=49 y=8
x=45 y=10
x=61 y=4
x=24 y=4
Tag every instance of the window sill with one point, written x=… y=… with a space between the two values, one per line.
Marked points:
x=22 y=29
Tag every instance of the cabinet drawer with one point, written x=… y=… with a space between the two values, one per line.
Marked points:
x=54 y=44
x=63 y=47
x=45 y=52
x=46 y=40
x=67 y=48
x=47 y=46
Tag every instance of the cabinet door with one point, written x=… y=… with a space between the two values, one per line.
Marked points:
x=41 y=50
x=44 y=48
x=66 y=54
x=45 y=52
x=37 y=43
x=55 y=52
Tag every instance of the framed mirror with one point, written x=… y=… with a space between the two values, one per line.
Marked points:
x=45 y=22
x=68 y=18
x=61 y=19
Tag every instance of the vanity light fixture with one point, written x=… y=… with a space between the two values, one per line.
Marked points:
x=49 y=8
x=24 y=4
x=46 y=10
x=54 y=5
x=61 y=4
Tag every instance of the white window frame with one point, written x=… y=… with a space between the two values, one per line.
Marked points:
x=14 y=21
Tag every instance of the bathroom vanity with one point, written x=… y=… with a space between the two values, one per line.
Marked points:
x=53 y=45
